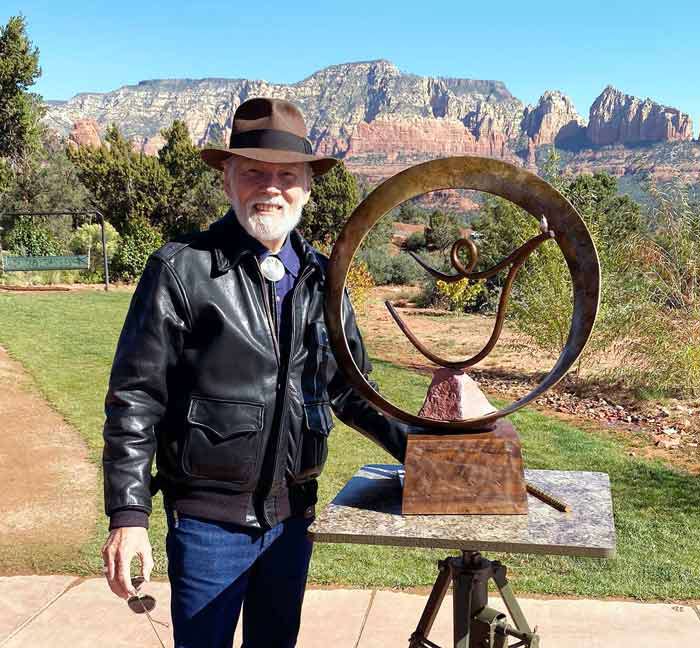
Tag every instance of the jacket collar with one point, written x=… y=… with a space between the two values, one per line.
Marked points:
x=231 y=244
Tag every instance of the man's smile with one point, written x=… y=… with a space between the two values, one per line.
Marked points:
x=266 y=208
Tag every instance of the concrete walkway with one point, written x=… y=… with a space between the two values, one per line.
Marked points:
x=69 y=612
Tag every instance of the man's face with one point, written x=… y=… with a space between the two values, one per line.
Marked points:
x=267 y=197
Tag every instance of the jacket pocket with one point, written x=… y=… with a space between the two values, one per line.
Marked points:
x=223 y=441
x=313 y=451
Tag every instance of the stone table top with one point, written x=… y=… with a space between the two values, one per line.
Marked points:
x=368 y=511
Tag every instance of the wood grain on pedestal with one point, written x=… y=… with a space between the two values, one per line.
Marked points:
x=469 y=473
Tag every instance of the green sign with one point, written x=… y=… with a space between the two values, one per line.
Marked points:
x=29 y=263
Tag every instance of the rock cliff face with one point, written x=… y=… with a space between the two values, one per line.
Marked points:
x=396 y=138
x=85 y=132
x=344 y=105
x=150 y=145
x=617 y=118
x=381 y=120
x=553 y=120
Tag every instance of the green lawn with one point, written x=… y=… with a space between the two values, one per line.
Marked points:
x=67 y=341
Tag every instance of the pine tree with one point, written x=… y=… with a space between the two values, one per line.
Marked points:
x=20 y=132
x=333 y=197
x=125 y=185
x=195 y=197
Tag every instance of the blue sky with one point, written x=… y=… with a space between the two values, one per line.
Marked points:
x=649 y=49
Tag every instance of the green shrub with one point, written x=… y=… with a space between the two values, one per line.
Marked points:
x=416 y=241
x=442 y=230
x=404 y=270
x=385 y=269
x=31 y=237
x=410 y=212
x=461 y=295
x=378 y=263
x=138 y=242
x=540 y=306
x=87 y=239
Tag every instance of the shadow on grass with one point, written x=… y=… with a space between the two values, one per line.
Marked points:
x=646 y=487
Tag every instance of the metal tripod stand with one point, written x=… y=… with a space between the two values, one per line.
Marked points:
x=475 y=624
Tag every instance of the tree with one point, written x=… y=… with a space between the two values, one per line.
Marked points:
x=124 y=184
x=334 y=195
x=131 y=190
x=500 y=228
x=174 y=192
x=35 y=174
x=411 y=212
x=541 y=305
x=48 y=181
x=596 y=198
x=195 y=196
x=149 y=199
x=442 y=230
x=19 y=110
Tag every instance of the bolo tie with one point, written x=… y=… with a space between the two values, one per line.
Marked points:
x=273 y=270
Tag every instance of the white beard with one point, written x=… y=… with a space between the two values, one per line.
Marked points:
x=267 y=227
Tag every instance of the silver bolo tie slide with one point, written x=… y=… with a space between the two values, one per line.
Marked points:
x=272 y=268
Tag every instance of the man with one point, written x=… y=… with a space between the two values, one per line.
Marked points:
x=223 y=371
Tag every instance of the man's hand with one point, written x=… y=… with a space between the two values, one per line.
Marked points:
x=117 y=553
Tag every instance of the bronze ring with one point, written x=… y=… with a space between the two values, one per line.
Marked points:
x=496 y=177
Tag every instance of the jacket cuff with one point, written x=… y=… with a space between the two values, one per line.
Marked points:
x=128 y=518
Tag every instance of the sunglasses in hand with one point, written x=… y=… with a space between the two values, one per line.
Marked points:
x=144 y=604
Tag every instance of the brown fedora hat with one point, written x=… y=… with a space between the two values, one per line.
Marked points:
x=269 y=130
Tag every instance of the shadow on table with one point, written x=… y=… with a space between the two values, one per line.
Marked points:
x=377 y=487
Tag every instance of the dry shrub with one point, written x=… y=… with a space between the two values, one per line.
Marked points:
x=664 y=352
x=665 y=358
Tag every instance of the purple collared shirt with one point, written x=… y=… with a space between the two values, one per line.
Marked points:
x=283 y=288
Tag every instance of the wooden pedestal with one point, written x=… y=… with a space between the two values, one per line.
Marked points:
x=467 y=473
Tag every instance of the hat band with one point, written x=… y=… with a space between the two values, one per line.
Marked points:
x=271 y=138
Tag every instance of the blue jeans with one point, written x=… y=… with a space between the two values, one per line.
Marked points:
x=217 y=567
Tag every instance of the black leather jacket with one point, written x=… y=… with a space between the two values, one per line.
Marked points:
x=239 y=430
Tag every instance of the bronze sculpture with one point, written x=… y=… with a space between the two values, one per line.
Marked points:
x=559 y=222
x=471 y=465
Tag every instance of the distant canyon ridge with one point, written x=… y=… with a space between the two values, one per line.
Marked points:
x=380 y=120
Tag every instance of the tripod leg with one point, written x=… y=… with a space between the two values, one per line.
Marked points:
x=437 y=595
x=463 y=586
x=509 y=599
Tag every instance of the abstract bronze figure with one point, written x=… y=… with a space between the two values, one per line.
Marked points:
x=514 y=260
x=560 y=222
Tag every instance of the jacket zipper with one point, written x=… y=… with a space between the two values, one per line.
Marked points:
x=283 y=385
x=268 y=313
